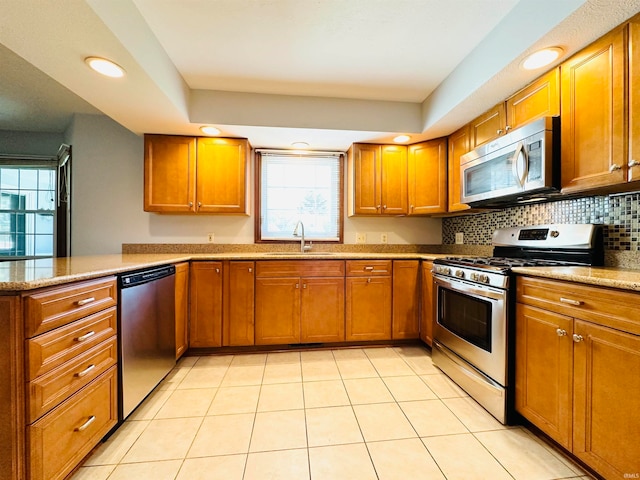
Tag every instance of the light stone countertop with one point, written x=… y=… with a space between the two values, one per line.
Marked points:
x=21 y=275
x=613 y=277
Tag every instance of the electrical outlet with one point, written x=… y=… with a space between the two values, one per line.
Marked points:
x=361 y=238
x=384 y=237
x=459 y=238
x=210 y=237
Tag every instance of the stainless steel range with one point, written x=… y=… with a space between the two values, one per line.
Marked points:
x=474 y=298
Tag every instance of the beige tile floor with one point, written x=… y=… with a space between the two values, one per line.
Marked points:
x=354 y=414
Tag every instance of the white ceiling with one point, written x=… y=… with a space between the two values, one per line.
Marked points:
x=328 y=72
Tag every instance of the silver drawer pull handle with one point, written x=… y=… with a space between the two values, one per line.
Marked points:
x=85 y=301
x=369 y=268
x=86 y=424
x=577 y=338
x=85 y=371
x=82 y=338
x=570 y=301
x=561 y=332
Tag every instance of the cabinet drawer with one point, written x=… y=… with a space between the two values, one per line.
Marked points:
x=300 y=268
x=613 y=308
x=53 y=348
x=48 y=390
x=62 y=438
x=360 y=268
x=55 y=307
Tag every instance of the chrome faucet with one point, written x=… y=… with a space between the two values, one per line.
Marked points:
x=303 y=247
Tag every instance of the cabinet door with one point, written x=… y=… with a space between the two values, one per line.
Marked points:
x=538 y=99
x=458 y=146
x=427 y=177
x=544 y=375
x=182 y=308
x=277 y=311
x=364 y=183
x=634 y=99
x=487 y=126
x=593 y=117
x=239 y=327
x=406 y=299
x=169 y=173
x=427 y=312
x=322 y=310
x=606 y=400
x=394 y=197
x=205 y=322
x=222 y=175
x=368 y=308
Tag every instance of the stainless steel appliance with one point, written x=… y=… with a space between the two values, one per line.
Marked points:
x=474 y=298
x=522 y=165
x=146 y=333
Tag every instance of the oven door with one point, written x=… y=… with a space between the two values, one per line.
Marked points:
x=471 y=321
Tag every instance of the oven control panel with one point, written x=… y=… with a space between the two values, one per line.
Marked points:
x=473 y=275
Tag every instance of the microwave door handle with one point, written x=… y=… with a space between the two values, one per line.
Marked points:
x=520 y=157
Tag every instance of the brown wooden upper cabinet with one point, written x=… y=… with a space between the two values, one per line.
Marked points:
x=427 y=177
x=458 y=146
x=538 y=99
x=377 y=179
x=195 y=175
x=599 y=151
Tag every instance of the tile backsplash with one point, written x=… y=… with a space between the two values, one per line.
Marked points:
x=619 y=213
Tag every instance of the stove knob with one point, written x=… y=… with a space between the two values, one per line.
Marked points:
x=447 y=271
x=484 y=278
x=555 y=233
x=475 y=276
x=460 y=273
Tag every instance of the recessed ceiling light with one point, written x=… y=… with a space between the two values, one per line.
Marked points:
x=541 y=58
x=300 y=145
x=105 y=67
x=210 y=130
x=402 y=138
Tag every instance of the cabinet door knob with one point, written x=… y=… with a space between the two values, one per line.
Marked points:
x=378 y=207
x=499 y=131
x=577 y=338
x=633 y=163
x=507 y=128
x=368 y=280
x=250 y=269
x=614 y=167
x=217 y=270
x=384 y=207
x=199 y=204
x=561 y=332
x=297 y=285
x=304 y=285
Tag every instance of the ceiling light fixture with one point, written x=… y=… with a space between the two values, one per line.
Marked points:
x=402 y=138
x=541 y=58
x=300 y=145
x=105 y=67
x=213 y=131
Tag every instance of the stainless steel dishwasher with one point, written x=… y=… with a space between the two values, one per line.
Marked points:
x=146 y=333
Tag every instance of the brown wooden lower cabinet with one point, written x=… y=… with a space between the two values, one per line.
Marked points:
x=239 y=299
x=368 y=300
x=427 y=307
x=182 y=308
x=299 y=302
x=577 y=380
x=406 y=299
x=205 y=310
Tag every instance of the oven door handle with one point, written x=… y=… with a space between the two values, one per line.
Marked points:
x=470 y=289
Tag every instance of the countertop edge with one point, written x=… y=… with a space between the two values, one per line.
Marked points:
x=90 y=267
x=612 y=277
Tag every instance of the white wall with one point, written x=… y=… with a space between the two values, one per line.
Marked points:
x=107 y=201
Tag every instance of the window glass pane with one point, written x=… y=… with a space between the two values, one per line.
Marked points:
x=24 y=194
x=28 y=178
x=300 y=188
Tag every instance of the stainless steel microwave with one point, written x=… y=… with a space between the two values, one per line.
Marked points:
x=521 y=166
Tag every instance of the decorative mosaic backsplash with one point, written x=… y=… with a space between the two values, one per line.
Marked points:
x=619 y=213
